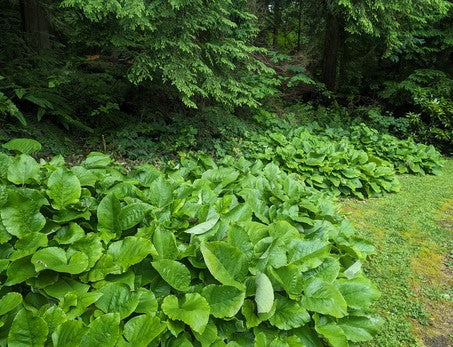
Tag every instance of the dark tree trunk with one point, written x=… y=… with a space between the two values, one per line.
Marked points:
x=333 y=44
x=35 y=24
x=277 y=22
x=299 y=25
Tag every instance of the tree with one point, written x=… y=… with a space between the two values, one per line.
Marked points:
x=392 y=23
x=202 y=48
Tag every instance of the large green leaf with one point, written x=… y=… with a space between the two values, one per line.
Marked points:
x=192 y=309
x=360 y=328
x=68 y=334
x=359 y=293
x=90 y=245
x=289 y=314
x=226 y=263
x=117 y=297
x=108 y=214
x=264 y=296
x=165 y=243
x=174 y=273
x=308 y=253
x=333 y=334
x=25 y=146
x=131 y=215
x=64 y=188
x=28 y=244
x=290 y=278
x=9 y=302
x=24 y=169
x=20 y=270
x=324 y=297
x=160 y=192
x=54 y=258
x=141 y=330
x=225 y=301
x=147 y=302
x=129 y=251
x=96 y=160
x=27 y=330
x=65 y=285
x=203 y=227
x=21 y=215
x=103 y=331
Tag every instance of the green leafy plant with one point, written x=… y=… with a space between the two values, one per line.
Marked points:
x=238 y=253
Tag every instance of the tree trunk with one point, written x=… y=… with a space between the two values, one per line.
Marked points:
x=299 y=25
x=277 y=23
x=333 y=44
x=35 y=24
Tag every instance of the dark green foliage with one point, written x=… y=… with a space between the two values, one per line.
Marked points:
x=238 y=253
x=202 y=49
x=427 y=97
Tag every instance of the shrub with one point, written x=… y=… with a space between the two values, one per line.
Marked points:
x=201 y=254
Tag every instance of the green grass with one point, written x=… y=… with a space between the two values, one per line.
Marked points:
x=412 y=231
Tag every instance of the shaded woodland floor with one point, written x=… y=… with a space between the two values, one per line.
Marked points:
x=413 y=233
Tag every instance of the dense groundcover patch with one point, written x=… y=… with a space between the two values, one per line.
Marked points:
x=238 y=254
x=200 y=253
x=357 y=161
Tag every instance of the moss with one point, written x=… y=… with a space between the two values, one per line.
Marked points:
x=412 y=233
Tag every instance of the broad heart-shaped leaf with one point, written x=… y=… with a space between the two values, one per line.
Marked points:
x=360 y=328
x=20 y=270
x=328 y=271
x=90 y=245
x=165 y=243
x=325 y=298
x=108 y=213
x=193 y=310
x=27 y=330
x=25 y=146
x=225 y=301
x=54 y=258
x=264 y=296
x=209 y=336
x=289 y=314
x=117 y=297
x=290 y=278
x=65 y=285
x=160 y=192
x=28 y=244
x=96 y=160
x=147 y=302
x=23 y=169
x=131 y=215
x=68 y=334
x=333 y=334
x=103 y=331
x=203 y=227
x=129 y=251
x=359 y=293
x=53 y=317
x=226 y=263
x=141 y=330
x=9 y=302
x=174 y=273
x=69 y=234
x=86 y=177
x=21 y=215
x=308 y=253
x=64 y=188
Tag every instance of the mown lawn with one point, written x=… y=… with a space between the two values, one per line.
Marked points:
x=413 y=267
